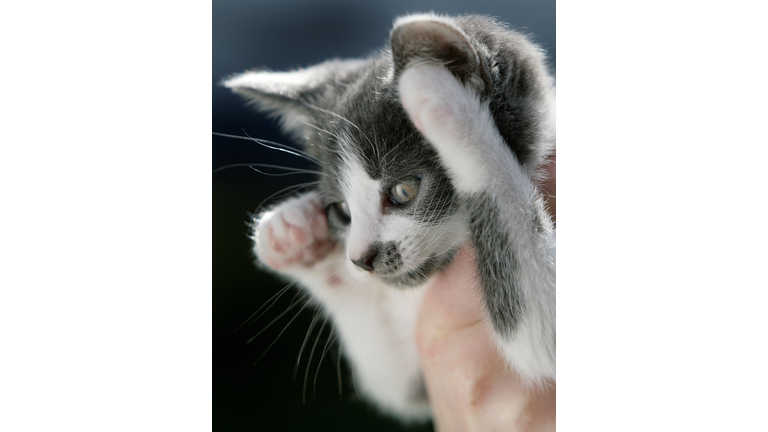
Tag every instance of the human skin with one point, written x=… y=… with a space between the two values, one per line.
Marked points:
x=469 y=386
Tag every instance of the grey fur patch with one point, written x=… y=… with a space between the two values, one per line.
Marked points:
x=421 y=274
x=497 y=264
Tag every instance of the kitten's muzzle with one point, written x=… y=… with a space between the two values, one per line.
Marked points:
x=381 y=258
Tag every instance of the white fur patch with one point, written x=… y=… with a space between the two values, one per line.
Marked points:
x=363 y=195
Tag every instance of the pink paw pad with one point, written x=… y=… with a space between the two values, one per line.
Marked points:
x=294 y=232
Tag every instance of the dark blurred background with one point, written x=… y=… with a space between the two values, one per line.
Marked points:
x=282 y=35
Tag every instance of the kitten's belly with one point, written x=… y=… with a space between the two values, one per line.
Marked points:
x=377 y=324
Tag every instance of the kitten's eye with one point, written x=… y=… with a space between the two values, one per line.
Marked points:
x=342 y=210
x=405 y=192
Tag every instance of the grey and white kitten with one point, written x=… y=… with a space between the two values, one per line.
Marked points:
x=433 y=142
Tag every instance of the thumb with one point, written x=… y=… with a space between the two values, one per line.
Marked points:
x=453 y=299
x=452 y=311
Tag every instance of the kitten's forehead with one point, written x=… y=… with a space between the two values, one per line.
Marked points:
x=383 y=139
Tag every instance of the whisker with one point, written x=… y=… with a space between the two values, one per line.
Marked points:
x=285 y=191
x=293 y=170
x=320 y=129
x=252 y=165
x=376 y=147
x=281 y=333
x=338 y=368
x=297 y=188
x=340 y=117
x=276 y=319
x=384 y=158
x=325 y=351
x=354 y=385
x=303 y=344
x=276 y=297
x=285 y=148
x=426 y=242
x=442 y=229
x=309 y=362
x=272 y=145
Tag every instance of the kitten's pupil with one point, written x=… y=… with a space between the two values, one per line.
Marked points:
x=405 y=192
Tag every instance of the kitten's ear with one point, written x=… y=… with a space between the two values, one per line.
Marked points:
x=429 y=38
x=296 y=97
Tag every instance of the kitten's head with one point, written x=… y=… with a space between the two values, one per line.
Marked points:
x=388 y=199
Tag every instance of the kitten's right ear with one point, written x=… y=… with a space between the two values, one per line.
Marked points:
x=296 y=97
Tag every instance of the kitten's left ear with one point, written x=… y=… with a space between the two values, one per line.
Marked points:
x=295 y=97
x=430 y=38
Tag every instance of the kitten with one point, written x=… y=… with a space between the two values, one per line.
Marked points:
x=433 y=142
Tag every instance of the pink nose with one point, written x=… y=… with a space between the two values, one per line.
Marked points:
x=365 y=262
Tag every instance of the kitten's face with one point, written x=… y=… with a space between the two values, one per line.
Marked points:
x=389 y=201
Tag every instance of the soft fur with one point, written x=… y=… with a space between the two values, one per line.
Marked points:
x=460 y=110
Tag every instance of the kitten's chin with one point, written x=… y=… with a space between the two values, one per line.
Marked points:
x=421 y=274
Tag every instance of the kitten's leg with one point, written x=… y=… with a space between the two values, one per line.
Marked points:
x=374 y=321
x=510 y=228
x=293 y=240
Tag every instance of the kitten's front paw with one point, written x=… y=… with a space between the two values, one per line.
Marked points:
x=432 y=97
x=294 y=233
x=454 y=120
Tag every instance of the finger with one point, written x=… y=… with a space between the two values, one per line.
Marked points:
x=453 y=300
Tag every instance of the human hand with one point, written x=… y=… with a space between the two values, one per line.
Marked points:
x=469 y=386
